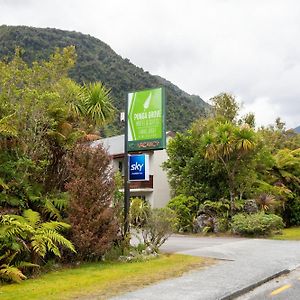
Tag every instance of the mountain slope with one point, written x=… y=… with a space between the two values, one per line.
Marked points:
x=98 y=62
x=297 y=129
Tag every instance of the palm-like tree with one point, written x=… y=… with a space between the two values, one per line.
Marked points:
x=229 y=144
x=95 y=104
x=266 y=202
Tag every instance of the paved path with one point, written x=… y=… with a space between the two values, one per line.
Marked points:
x=245 y=262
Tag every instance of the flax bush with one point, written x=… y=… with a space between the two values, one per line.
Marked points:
x=257 y=224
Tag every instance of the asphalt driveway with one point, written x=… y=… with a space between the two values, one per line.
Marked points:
x=244 y=263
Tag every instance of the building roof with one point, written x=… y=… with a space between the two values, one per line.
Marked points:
x=114 y=145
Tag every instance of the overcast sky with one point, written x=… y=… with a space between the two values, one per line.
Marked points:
x=250 y=48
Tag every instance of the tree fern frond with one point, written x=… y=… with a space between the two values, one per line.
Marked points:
x=14 y=225
x=6 y=127
x=32 y=217
x=25 y=265
x=10 y=258
x=61 y=203
x=9 y=273
x=53 y=248
x=4 y=256
x=3 y=185
x=38 y=244
x=55 y=225
x=50 y=209
x=57 y=238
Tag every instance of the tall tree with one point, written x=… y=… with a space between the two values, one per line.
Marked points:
x=232 y=145
x=225 y=106
x=96 y=105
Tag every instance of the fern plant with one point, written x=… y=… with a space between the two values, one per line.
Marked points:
x=55 y=207
x=7 y=129
x=12 y=271
x=28 y=236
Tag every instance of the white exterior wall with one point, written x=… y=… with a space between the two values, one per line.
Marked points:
x=159 y=196
x=161 y=189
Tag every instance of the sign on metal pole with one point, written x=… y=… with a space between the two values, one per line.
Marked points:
x=145 y=129
x=146 y=120
x=139 y=167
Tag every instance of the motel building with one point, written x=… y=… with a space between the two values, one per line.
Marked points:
x=156 y=191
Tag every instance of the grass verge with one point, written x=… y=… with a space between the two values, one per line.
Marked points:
x=288 y=234
x=101 y=280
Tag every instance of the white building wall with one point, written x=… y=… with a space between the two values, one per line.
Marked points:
x=160 y=194
x=161 y=189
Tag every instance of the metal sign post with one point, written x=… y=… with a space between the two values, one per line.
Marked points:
x=126 y=182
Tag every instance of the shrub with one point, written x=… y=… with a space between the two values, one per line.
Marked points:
x=114 y=253
x=160 y=224
x=221 y=225
x=91 y=188
x=256 y=224
x=186 y=209
x=139 y=211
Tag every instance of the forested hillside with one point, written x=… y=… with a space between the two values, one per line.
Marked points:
x=96 y=61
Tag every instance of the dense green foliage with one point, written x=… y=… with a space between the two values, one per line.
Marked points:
x=25 y=239
x=229 y=166
x=208 y=162
x=43 y=115
x=40 y=99
x=96 y=61
x=186 y=209
x=256 y=224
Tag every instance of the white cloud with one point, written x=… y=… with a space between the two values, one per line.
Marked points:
x=266 y=111
x=250 y=48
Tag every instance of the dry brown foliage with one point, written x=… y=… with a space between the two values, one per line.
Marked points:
x=91 y=189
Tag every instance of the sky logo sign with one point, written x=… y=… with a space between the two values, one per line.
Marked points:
x=139 y=167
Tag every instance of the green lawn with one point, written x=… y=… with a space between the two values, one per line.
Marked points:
x=288 y=234
x=101 y=279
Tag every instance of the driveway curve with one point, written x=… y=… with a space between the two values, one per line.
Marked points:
x=243 y=264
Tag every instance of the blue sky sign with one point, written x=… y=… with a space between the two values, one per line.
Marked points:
x=139 y=167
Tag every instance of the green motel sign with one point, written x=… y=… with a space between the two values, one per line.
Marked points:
x=146 y=120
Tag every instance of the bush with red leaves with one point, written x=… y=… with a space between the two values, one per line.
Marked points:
x=91 y=188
